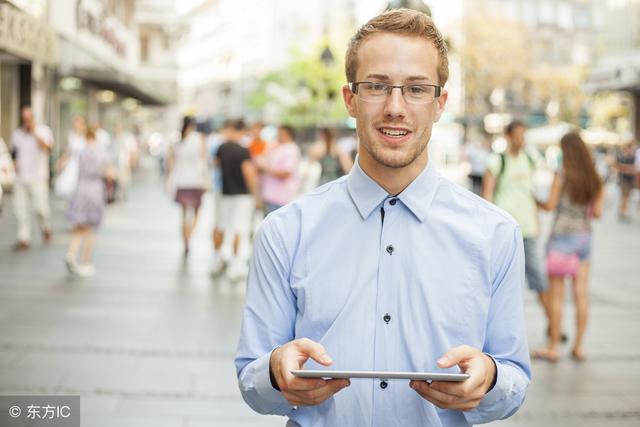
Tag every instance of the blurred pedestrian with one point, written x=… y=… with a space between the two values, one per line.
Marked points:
x=476 y=153
x=258 y=146
x=239 y=199
x=625 y=165
x=334 y=162
x=31 y=144
x=392 y=268
x=279 y=167
x=576 y=198
x=214 y=141
x=87 y=205
x=67 y=164
x=7 y=171
x=508 y=182
x=124 y=146
x=187 y=172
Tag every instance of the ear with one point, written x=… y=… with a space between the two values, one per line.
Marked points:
x=440 y=103
x=349 y=100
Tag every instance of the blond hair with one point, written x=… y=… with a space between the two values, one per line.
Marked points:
x=399 y=21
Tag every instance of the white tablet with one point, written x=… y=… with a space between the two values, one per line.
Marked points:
x=420 y=376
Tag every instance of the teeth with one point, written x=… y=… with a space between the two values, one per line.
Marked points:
x=393 y=132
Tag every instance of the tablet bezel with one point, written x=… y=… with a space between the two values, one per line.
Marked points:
x=384 y=375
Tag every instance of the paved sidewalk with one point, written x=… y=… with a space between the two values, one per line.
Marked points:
x=150 y=340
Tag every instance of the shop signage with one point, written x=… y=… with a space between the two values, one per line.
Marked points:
x=92 y=16
x=26 y=37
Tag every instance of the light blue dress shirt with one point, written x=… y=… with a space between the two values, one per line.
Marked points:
x=444 y=268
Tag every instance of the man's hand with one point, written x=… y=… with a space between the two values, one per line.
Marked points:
x=303 y=391
x=465 y=395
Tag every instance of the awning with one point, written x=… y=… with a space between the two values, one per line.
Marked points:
x=123 y=85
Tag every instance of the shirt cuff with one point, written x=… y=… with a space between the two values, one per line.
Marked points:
x=498 y=392
x=262 y=380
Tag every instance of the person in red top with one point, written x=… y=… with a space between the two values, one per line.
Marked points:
x=257 y=146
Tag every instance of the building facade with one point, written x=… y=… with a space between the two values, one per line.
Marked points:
x=27 y=62
x=617 y=66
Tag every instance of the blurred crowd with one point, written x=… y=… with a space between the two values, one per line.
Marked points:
x=94 y=170
x=249 y=175
x=252 y=170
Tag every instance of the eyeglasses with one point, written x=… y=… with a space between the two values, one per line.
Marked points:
x=379 y=92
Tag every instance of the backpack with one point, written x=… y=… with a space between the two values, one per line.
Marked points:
x=503 y=161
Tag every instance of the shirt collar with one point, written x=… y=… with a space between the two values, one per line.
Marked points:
x=417 y=197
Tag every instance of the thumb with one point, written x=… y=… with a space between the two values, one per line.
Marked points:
x=315 y=351
x=455 y=356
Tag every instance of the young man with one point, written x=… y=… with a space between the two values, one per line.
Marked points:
x=32 y=145
x=239 y=200
x=390 y=268
x=508 y=182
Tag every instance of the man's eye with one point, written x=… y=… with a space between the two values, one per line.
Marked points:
x=418 y=90
x=376 y=87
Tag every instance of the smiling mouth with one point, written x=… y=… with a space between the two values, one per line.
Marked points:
x=393 y=132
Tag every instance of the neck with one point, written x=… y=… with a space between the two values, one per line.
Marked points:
x=393 y=180
x=514 y=151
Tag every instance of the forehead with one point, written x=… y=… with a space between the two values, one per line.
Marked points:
x=397 y=56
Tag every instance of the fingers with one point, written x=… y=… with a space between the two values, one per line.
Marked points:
x=456 y=356
x=314 y=350
x=444 y=400
x=317 y=395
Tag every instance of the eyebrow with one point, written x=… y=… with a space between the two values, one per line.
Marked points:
x=408 y=79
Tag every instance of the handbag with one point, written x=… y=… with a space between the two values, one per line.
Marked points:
x=67 y=181
x=560 y=264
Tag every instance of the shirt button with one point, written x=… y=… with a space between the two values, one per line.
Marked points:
x=387 y=318
x=392 y=202
x=383 y=384
x=390 y=249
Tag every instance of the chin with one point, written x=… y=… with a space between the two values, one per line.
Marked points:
x=392 y=159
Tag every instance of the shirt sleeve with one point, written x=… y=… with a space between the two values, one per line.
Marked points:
x=493 y=164
x=291 y=160
x=45 y=134
x=269 y=314
x=506 y=336
x=15 y=141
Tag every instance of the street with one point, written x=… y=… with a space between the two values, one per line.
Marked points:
x=150 y=340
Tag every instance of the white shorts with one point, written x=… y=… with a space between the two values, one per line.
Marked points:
x=235 y=214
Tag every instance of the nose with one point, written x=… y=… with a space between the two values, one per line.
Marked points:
x=395 y=105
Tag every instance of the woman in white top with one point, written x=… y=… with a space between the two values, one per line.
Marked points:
x=187 y=171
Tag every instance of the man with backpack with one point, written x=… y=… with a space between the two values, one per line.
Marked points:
x=508 y=182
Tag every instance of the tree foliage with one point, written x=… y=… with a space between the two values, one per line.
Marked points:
x=305 y=93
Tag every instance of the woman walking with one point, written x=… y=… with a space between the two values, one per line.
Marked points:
x=86 y=207
x=576 y=197
x=187 y=174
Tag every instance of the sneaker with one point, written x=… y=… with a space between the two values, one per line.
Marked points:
x=20 y=245
x=46 y=236
x=237 y=272
x=86 y=270
x=72 y=267
x=218 y=267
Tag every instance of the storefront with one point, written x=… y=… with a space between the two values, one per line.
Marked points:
x=97 y=66
x=27 y=58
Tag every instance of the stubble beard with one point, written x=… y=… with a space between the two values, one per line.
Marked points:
x=396 y=160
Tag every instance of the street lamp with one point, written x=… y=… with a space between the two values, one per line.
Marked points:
x=327 y=57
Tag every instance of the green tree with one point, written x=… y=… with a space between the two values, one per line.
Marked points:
x=305 y=93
